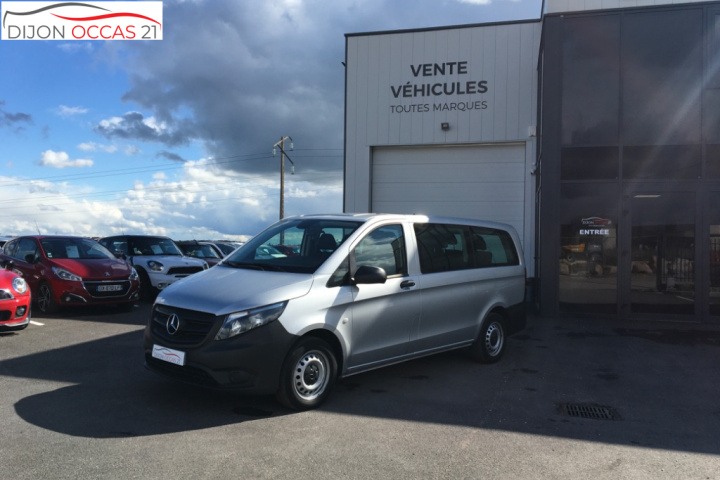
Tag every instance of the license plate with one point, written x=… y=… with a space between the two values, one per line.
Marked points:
x=168 y=355
x=109 y=288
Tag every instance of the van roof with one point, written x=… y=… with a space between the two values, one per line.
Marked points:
x=418 y=218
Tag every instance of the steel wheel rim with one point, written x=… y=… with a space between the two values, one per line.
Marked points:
x=494 y=339
x=311 y=375
x=44 y=298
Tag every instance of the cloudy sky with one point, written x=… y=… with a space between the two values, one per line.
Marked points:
x=174 y=137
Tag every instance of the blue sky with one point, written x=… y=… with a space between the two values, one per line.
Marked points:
x=174 y=137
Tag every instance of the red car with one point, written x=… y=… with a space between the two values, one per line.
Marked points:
x=63 y=270
x=14 y=302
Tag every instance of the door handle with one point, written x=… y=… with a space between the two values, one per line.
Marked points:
x=407 y=284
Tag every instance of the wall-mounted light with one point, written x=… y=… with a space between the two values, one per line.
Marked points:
x=445 y=126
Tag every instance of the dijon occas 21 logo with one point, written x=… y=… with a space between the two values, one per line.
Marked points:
x=82 y=20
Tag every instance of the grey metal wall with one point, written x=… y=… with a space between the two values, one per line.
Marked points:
x=402 y=86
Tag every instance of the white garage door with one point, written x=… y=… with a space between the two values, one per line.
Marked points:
x=477 y=181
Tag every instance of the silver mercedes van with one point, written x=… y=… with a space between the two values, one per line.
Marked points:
x=353 y=293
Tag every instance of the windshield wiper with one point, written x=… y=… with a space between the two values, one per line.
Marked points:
x=276 y=268
x=253 y=266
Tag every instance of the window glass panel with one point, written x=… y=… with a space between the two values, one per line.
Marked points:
x=712 y=161
x=590 y=163
x=384 y=248
x=442 y=248
x=340 y=276
x=26 y=248
x=662 y=162
x=591 y=80
x=588 y=248
x=711 y=113
x=493 y=248
x=714 y=66
x=714 y=214
x=662 y=64
x=663 y=253
x=10 y=248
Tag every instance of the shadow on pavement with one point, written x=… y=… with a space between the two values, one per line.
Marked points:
x=664 y=386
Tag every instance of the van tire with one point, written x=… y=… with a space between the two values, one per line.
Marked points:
x=308 y=374
x=490 y=344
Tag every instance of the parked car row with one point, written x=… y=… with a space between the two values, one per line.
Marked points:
x=62 y=271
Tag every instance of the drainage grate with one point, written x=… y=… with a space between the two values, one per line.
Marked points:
x=589 y=410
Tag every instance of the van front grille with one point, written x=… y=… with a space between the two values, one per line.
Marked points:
x=193 y=327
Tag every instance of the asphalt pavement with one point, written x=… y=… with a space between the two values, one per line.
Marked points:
x=570 y=399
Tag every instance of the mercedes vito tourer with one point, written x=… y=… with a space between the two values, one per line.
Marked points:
x=364 y=291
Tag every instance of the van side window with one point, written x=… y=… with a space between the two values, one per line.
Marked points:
x=340 y=276
x=383 y=247
x=443 y=248
x=493 y=248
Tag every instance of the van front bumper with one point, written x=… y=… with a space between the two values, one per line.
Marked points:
x=250 y=362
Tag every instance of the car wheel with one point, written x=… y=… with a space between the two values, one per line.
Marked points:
x=490 y=344
x=45 y=300
x=308 y=375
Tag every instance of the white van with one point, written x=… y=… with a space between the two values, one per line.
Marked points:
x=358 y=292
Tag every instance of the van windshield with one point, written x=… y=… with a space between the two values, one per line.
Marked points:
x=296 y=246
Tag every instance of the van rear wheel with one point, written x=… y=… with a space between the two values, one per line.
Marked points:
x=490 y=344
x=308 y=374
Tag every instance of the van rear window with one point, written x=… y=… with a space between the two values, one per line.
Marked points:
x=446 y=247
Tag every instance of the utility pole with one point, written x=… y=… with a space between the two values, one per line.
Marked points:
x=281 y=145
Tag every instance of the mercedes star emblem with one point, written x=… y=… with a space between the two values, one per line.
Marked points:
x=173 y=324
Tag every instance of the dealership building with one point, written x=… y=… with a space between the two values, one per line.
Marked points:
x=594 y=131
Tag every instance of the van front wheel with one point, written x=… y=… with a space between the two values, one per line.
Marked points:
x=490 y=344
x=307 y=375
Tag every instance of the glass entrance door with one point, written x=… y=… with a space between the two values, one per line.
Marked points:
x=662 y=251
x=714 y=263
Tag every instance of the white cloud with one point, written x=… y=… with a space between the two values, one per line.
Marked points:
x=62 y=160
x=73 y=47
x=132 y=150
x=65 y=111
x=92 y=147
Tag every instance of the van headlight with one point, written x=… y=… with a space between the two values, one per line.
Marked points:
x=241 y=322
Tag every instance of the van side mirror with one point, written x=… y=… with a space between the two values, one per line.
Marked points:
x=367 y=275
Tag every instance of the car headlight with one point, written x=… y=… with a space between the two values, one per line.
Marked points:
x=133 y=275
x=65 y=275
x=240 y=322
x=155 y=266
x=19 y=285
